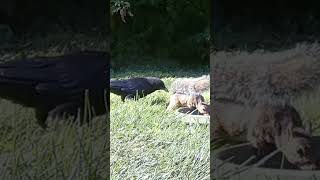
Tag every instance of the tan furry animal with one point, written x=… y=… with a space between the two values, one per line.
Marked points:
x=183 y=100
x=266 y=128
x=193 y=101
x=191 y=85
x=186 y=92
x=253 y=93
x=269 y=77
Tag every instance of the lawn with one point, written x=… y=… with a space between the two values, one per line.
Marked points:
x=148 y=142
x=63 y=151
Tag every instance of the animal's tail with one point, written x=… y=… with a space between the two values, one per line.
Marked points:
x=191 y=85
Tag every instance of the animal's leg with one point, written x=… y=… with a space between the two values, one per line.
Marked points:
x=257 y=139
x=260 y=132
x=218 y=132
x=203 y=108
x=263 y=148
x=174 y=104
x=171 y=106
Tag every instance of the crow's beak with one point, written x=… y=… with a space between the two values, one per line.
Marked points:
x=165 y=89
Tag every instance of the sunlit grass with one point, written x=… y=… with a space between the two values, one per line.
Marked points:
x=148 y=142
x=63 y=151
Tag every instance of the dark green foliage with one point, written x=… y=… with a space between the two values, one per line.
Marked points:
x=162 y=29
x=250 y=24
x=54 y=15
x=27 y=23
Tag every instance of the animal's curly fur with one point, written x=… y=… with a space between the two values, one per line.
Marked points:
x=266 y=127
x=253 y=93
x=269 y=77
x=187 y=92
x=179 y=100
x=191 y=85
x=193 y=101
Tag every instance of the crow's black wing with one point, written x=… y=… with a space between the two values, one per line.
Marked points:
x=18 y=79
x=27 y=72
x=78 y=73
x=56 y=84
x=55 y=78
x=119 y=87
x=129 y=86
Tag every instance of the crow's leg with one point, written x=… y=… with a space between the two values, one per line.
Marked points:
x=41 y=116
x=129 y=97
x=63 y=110
x=123 y=98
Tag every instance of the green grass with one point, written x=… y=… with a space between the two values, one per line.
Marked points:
x=148 y=142
x=62 y=151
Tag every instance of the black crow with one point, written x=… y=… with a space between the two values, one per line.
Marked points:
x=129 y=88
x=55 y=86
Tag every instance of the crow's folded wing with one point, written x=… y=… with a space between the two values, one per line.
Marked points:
x=130 y=86
x=18 y=79
x=49 y=81
x=78 y=74
x=27 y=72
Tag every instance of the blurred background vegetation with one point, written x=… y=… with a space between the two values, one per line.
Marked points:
x=37 y=24
x=141 y=29
x=45 y=16
x=161 y=29
x=272 y=25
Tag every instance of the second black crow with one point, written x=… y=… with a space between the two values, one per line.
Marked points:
x=129 y=88
x=56 y=85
